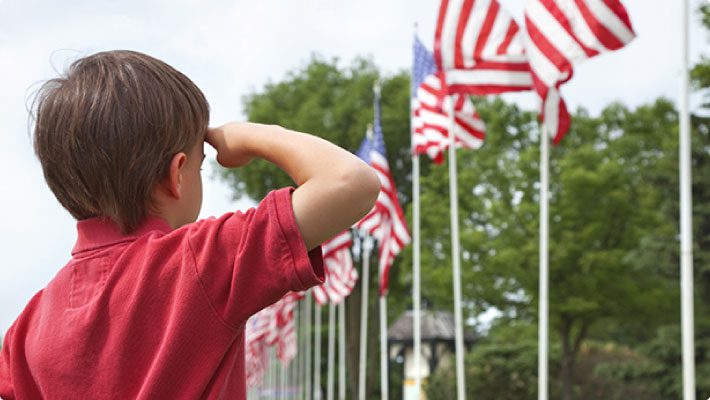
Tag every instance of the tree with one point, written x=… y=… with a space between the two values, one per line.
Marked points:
x=502 y=366
x=600 y=209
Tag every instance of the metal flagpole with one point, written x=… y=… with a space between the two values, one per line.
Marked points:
x=416 y=294
x=301 y=379
x=274 y=378
x=296 y=365
x=272 y=374
x=330 y=393
x=284 y=381
x=307 y=333
x=455 y=253
x=384 y=379
x=686 y=223
x=277 y=375
x=544 y=265
x=366 y=247
x=267 y=376
x=317 y=395
x=341 y=350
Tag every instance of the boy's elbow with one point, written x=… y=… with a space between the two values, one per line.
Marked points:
x=368 y=186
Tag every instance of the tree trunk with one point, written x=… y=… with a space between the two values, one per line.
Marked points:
x=570 y=350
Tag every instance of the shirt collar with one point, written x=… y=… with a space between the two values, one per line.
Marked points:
x=94 y=233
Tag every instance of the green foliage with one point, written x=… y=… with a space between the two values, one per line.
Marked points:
x=502 y=366
x=700 y=73
x=660 y=367
x=602 y=206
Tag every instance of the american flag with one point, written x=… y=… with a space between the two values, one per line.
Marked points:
x=480 y=47
x=562 y=33
x=386 y=221
x=287 y=346
x=341 y=275
x=272 y=326
x=257 y=328
x=429 y=119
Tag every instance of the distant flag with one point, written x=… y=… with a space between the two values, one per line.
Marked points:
x=287 y=346
x=430 y=120
x=386 y=221
x=272 y=326
x=562 y=33
x=340 y=274
x=480 y=48
x=257 y=329
x=424 y=65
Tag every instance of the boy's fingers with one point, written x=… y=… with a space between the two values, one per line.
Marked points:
x=214 y=137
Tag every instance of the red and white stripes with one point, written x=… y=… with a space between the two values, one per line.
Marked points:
x=480 y=48
x=431 y=121
x=386 y=221
x=272 y=326
x=341 y=275
x=561 y=33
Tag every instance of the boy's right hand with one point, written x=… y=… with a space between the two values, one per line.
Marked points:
x=232 y=144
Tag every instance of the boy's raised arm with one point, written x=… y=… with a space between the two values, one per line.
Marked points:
x=335 y=188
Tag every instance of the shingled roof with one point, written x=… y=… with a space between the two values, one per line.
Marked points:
x=436 y=326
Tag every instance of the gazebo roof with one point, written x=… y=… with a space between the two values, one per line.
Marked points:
x=436 y=326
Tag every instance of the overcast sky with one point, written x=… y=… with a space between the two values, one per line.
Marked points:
x=230 y=48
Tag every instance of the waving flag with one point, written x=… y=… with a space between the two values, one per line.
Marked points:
x=341 y=276
x=480 y=48
x=386 y=220
x=287 y=346
x=430 y=120
x=562 y=33
x=272 y=326
x=257 y=329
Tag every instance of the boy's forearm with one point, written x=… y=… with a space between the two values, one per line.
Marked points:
x=335 y=188
x=300 y=155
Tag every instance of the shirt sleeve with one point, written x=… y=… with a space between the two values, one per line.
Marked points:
x=6 y=389
x=247 y=261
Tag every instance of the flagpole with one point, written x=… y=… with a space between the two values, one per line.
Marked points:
x=384 y=375
x=542 y=360
x=455 y=253
x=301 y=377
x=330 y=393
x=307 y=333
x=384 y=392
x=341 y=352
x=284 y=380
x=686 y=223
x=317 y=395
x=296 y=366
x=366 y=247
x=416 y=293
x=277 y=375
x=267 y=381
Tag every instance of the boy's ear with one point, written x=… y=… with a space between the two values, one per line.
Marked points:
x=173 y=181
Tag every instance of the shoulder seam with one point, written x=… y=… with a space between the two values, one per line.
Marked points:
x=204 y=290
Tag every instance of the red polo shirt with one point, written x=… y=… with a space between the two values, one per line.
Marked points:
x=159 y=313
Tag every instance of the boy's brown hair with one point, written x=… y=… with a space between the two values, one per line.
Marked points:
x=107 y=129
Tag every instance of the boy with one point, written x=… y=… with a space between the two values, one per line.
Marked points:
x=152 y=304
